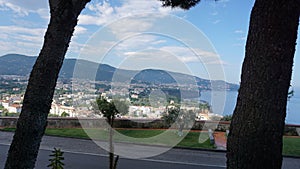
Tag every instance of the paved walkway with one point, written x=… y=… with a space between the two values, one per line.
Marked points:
x=87 y=150
x=220 y=140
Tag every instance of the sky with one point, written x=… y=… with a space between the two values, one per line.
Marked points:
x=207 y=41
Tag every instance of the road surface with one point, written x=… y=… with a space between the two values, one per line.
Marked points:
x=81 y=153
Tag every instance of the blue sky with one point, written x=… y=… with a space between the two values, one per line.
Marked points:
x=123 y=26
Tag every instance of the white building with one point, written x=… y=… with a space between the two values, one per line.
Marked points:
x=139 y=111
x=5 y=104
x=14 y=108
x=11 y=107
x=57 y=109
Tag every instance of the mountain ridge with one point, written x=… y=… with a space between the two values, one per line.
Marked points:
x=17 y=64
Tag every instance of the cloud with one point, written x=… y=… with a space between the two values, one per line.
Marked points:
x=217 y=62
x=238 y=44
x=153 y=59
x=215 y=13
x=187 y=55
x=105 y=13
x=89 y=20
x=19 y=47
x=22 y=30
x=172 y=58
x=216 y=21
x=44 y=13
x=23 y=8
x=17 y=9
x=97 y=12
x=182 y=54
x=79 y=30
x=18 y=39
x=223 y=1
x=239 y=31
x=130 y=26
x=243 y=38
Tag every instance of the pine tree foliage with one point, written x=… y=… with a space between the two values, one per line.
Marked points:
x=184 y=4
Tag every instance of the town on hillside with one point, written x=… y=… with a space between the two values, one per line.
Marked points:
x=75 y=98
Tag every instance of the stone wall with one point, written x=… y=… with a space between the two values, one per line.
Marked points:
x=58 y=122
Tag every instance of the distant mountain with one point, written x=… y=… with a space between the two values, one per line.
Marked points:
x=15 y=64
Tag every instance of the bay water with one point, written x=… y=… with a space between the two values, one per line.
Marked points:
x=223 y=103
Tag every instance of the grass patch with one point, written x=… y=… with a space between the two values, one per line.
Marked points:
x=192 y=140
x=291 y=145
x=152 y=137
x=76 y=133
x=140 y=133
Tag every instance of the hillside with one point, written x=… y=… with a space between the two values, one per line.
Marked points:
x=15 y=64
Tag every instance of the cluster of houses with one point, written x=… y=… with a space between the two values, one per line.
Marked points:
x=13 y=104
x=149 y=112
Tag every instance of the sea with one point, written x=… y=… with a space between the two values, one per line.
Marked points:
x=223 y=103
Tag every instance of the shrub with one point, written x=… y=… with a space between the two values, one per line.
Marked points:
x=56 y=160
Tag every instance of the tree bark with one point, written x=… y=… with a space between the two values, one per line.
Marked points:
x=42 y=81
x=255 y=138
x=111 y=144
x=113 y=160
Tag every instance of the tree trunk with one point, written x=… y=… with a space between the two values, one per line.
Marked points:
x=111 y=146
x=113 y=161
x=39 y=93
x=255 y=138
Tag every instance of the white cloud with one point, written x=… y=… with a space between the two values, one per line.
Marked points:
x=30 y=38
x=187 y=55
x=97 y=12
x=216 y=21
x=22 y=30
x=13 y=7
x=19 y=47
x=23 y=8
x=90 y=20
x=154 y=59
x=238 y=44
x=215 y=13
x=223 y=1
x=239 y=31
x=243 y=38
x=92 y=51
x=172 y=58
x=104 y=9
x=128 y=27
x=75 y=48
x=79 y=30
x=217 y=62
x=18 y=39
x=44 y=13
x=182 y=54
x=105 y=13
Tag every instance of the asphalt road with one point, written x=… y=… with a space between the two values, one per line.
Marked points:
x=86 y=154
x=90 y=161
